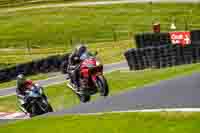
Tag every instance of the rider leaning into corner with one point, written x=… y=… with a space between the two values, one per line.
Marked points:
x=22 y=85
x=74 y=65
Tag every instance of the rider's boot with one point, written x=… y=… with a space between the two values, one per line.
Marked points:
x=22 y=104
x=22 y=108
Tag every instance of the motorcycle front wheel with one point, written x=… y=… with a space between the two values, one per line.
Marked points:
x=34 y=111
x=102 y=85
x=50 y=109
x=45 y=107
x=84 y=98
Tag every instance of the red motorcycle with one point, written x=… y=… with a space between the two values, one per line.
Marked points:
x=91 y=78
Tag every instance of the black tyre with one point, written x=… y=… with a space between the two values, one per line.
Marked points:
x=84 y=98
x=39 y=108
x=34 y=110
x=63 y=67
x=44 y=107
x=102 y=86
x=50 y=109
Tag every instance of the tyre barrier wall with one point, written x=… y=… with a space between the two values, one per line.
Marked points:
x=195 y=36
x=160 y=39
x=162 y=56
x=49 y=64
x=152 y=39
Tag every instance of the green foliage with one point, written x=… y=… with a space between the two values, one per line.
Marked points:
x=59 y=27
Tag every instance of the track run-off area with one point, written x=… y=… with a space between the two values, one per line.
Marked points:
x=178 y=94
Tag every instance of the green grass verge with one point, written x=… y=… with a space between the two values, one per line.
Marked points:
x=119 y=81
x=109 y=52
x=13 y=82
x=109 y=123
x=56 y=27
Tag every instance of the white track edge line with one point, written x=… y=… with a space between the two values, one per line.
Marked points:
x=13 y=116
x=146 y=110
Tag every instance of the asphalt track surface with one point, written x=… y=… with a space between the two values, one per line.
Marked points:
x=182 y=92
x=61 y=78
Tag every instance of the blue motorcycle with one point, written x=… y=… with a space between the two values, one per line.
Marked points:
x=37 y=103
